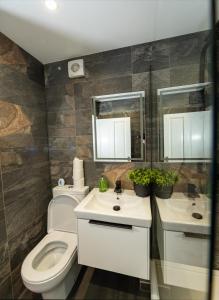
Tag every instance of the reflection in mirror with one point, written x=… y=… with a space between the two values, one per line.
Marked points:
x=118 y=127
x=185 y=123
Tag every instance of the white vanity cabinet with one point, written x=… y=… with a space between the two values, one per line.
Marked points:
x=114 y=247
x=182 y=247
x=183 y=257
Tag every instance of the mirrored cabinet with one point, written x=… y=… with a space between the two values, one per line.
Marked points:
x=118 y=127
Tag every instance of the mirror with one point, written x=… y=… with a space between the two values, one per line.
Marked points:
x=185 y=123
x=118 y=127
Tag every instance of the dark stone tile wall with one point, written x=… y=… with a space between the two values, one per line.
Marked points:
x=24 y=169
x=69 y=112
x=158 y=64
x=178 y=62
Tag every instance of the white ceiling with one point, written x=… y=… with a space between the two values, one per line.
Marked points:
x=81 y=27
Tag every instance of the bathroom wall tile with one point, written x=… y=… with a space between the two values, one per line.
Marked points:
x=61 y=169
x=92 y=172
x=4 y=262
x=62 y=154
x=3 y=234
x=21 y=189
x=83 y=122
x=19 y=215
x=35 y=70
x=140 y=82
x=56 y=73
x=160 y=79
x=183 y=75
x=17 y=283
x=16 y=85
x=1 y=191
x=84 y=91
x=82 y=140
x=6 y=289
x=61 y=143
x=61 y=119
x=60 y=102
x=114 y=65
x=15 y=158
x=186 y=49
x=61 y=132
x=141 y=58
x=23 y=243
x=84 y=151
x=24 y=157
x=160 y=55
x=84 y=147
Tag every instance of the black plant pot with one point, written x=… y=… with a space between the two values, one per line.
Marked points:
x=142 y=190
x=163 y=192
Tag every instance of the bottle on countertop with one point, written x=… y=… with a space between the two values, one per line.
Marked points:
x=103 y=184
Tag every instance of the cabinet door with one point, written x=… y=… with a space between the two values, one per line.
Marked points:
x=187 y=135
x=105 y=138
x=120 y=250
x=114 y=138
x=122 y=133
x=207 y=134
x=174 y=136
x=194 y=135
x=184 y=249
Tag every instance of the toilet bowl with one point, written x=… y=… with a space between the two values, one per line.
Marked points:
x=51 y=268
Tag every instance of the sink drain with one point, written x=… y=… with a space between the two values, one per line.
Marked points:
x=116 y=207
x=197 y=216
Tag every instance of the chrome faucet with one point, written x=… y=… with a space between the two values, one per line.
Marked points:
x=118 y=187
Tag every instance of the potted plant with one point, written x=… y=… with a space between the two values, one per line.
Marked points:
x=141 y=179
x=163 y=183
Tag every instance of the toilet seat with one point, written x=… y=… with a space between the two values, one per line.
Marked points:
x=64 y=239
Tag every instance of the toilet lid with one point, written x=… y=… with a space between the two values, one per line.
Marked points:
x=61 y=215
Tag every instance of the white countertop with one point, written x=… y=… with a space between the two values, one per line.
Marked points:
x=134 y=210
x=176 y=213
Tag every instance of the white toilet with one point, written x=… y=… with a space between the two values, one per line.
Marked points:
x=51 y=268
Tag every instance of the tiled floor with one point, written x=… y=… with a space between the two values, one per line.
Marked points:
x=95 y=284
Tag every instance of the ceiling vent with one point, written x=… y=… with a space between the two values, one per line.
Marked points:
x=76 y=68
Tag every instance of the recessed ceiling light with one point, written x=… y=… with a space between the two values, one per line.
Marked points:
x=51 y=4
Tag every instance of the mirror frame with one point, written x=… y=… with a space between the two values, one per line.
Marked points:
x=116 y=97
x=171 y=91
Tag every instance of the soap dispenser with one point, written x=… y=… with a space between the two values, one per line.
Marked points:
x=103 y=184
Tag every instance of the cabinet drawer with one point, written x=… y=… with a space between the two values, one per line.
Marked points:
x=189 y=249
x=123 y=249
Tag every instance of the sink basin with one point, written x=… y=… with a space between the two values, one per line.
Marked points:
x=125 y=208
x=183 y=214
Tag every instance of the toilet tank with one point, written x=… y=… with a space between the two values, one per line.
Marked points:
x=61 y=215
x=79 y=194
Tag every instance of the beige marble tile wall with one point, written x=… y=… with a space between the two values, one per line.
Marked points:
x=24 y=169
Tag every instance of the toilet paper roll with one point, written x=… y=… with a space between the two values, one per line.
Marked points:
x=78 y=183
x=78 y=174
x=78 y=171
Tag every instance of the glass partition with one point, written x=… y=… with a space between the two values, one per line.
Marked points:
x=182 y=126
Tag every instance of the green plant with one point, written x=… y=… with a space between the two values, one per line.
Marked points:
x=140 y=176
x=165 y=178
